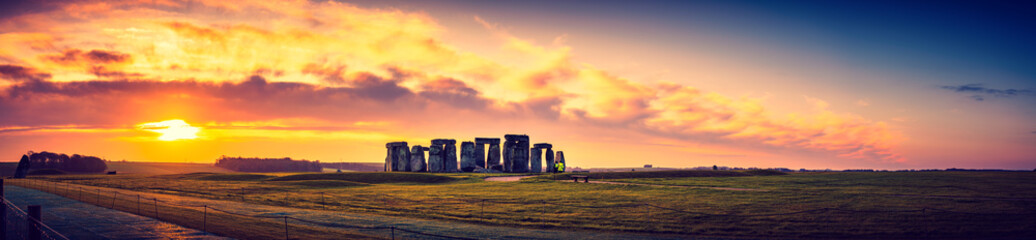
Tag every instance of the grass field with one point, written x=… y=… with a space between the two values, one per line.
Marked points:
x=898 y=205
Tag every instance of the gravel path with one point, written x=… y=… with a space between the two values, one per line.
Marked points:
x=446 y=228
x=78 y=220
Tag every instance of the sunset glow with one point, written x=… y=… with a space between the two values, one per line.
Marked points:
x=171 y=130
x=334 y=81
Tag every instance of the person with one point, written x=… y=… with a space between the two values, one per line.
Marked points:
x=560 y=167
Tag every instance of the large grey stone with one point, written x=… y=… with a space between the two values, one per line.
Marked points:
x=480 y=155
x=417 y=163
x=549 y=163
x=397 y=156
x=450 y=157
x=435 y=158
x=402 y=158
x=534 y=161
x=467 y=157
x=520 y=164
x=490 y=141
x=561 y=158
x=493 y=160
x=508 y=155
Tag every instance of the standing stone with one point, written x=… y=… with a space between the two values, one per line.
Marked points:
x=450 y=158
x=480 y=154
x=534 y=164
x=550 y=160
x=435 y=158
x=561 y=158
x=467 y=157
x=508 y=154
x=493 y=160
x=397 y=157
x=521 y=155
x=402 y=158
x=417 y=163
x=480 y=151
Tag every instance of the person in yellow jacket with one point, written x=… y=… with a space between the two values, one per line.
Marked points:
x=559 y=167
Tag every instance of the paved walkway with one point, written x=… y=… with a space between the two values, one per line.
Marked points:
x=446 y=228
x=78 y=220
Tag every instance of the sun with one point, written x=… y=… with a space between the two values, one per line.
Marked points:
x=171 y=130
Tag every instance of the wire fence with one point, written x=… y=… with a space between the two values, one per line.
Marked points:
x=149 y=206
x=19 y=225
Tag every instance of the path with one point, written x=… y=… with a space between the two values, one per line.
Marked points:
x=447 y=228
x=78 y=220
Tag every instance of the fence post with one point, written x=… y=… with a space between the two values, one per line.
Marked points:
x=204 y=218
x=393 y=232
x=3 y=212
x=114 y=196
x=286 y=227
x=34 y=229
x=322 y=201
x=156 y=208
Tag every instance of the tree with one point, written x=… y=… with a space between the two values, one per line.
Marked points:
x=714 y=168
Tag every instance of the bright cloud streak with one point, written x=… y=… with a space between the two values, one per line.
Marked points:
x=171 y=130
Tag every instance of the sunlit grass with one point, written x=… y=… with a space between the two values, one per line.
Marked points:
x=545 y=203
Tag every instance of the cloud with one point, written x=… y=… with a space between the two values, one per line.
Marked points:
x=19 y=73
x=981 y=93
x=123 y=62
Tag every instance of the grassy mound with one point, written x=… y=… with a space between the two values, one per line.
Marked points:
x=322 y=183
x=234 y=177
x=373 y=178
x=671 y=174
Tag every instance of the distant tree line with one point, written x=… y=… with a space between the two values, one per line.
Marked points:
x=75 y=163
x=241 y=164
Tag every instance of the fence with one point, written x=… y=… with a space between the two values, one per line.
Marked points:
x=146 y=206
x=19 y=224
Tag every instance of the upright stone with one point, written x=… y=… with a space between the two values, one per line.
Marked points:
x=508 y=155
x=493 y=160
x=450 y=158
x=467 y=157
x=397 y=157
x=534 y=162
x=561 y=158
x=402 y=158
x=520 y=164
x=550 y=159
x=435 y=158
x=417 y=163
x=480 y=154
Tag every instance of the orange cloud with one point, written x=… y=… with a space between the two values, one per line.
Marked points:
x=211 y=61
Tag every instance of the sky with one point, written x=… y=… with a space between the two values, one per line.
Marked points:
x=801 y=84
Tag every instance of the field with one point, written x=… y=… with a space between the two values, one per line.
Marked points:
x=874 y=205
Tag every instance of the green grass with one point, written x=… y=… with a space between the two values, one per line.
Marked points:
x=986 y=205
x=373 y=177
x=321 y=183
x=234 y=177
